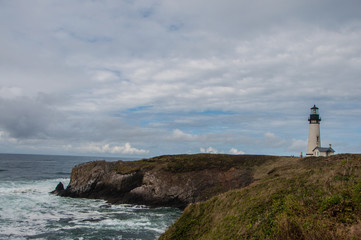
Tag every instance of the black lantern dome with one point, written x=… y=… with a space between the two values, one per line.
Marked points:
x=314 y=116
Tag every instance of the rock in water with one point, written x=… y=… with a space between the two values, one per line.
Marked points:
x=59 y=189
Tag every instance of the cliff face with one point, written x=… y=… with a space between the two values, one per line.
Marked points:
x=166 y=188
x=162 y=181
x=100 y=180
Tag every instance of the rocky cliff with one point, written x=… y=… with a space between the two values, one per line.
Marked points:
x=174 y=181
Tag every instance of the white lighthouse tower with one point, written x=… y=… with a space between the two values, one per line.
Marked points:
x=314 y=137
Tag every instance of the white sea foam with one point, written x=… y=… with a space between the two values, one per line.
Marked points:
x=28 y=211
x=157 y=230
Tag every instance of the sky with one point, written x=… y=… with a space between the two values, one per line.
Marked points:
x=141 y=78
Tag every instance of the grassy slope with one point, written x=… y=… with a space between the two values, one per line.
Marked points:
x=311 y=198
x=195 y=162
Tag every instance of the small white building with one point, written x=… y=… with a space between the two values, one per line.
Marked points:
x=323 y=152
x=314 y=136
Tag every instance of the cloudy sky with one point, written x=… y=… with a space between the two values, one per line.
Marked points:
x=149 y=77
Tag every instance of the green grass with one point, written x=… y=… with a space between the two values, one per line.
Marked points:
x=194 y=162
x=197 y=162
x=128 y=167
x=311 y=198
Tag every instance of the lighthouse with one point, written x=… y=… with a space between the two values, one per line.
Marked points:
x=314 y=136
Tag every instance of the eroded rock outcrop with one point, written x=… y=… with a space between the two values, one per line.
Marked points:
x=161 y=181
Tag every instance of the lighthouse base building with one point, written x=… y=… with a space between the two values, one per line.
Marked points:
x=323 y=152
x=314 y=137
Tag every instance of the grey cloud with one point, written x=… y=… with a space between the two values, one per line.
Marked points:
x=71 y=74
x=26 y=118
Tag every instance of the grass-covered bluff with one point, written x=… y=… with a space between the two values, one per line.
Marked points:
x=194 y=162
x=164 y=181
x=291 y=198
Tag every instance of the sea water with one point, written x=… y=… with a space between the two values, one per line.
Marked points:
x=28 y=211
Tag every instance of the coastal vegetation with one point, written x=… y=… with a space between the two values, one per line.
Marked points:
x=290 y=198
x=195 y=162
x=236 y=196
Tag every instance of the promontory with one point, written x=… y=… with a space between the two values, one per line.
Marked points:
x=236 y=196
x=170 y=180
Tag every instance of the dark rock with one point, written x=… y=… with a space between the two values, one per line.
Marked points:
x=59 y=189
x=151 y=184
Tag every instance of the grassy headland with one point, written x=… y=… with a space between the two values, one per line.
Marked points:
x=195 y=162
x=169 y=180
x=292 y=198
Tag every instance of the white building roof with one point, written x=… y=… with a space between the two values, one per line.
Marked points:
x=323 y=149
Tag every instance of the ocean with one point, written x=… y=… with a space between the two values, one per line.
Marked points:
x=28 y=211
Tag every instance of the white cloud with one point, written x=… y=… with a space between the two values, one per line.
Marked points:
x=298 y=145
x=272 y=140
x=126 y=149
x=104 y=76
x=180 y=135
x=235 y=151
x=10 y=92
x=6 y=138
x=209 y=150
x=281 y=65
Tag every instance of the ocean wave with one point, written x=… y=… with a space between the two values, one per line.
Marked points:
x=34 y=186
x=29 y=211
